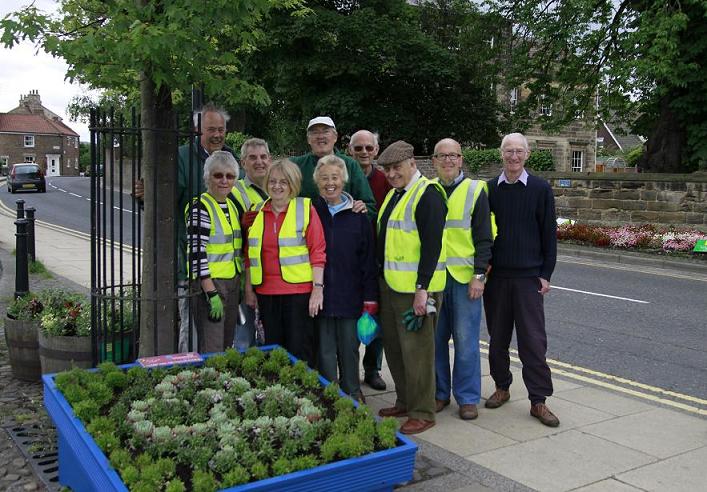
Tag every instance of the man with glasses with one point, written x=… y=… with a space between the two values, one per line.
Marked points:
x=524 y=254
x=363 y=147
x=321 y=137
x=468 y=241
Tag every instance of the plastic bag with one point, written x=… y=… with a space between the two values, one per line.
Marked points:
x=367 y=328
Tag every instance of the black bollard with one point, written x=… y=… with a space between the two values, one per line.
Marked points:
x=29 y=213
x=20 y=208
x=22 y=268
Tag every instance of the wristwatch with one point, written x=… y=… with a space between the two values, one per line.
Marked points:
x=481 y=277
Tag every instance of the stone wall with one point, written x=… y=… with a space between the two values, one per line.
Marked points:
x=666 y=199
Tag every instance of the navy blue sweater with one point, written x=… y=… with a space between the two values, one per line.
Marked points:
x=526 y=245
x=350 y=273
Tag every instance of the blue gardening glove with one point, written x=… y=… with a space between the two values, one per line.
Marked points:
x=216 y=306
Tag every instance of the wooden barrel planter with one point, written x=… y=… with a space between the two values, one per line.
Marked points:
x=63 y=353
x=23 y=348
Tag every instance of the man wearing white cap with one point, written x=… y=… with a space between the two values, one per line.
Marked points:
x=321 y=137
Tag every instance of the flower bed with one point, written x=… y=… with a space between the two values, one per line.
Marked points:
x=252 y=421
x=640 y=237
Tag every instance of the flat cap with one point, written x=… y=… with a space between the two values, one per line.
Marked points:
x=321 y=120
x=396 y=152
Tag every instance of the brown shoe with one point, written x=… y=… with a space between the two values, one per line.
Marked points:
x=544 y=415
x=468 y=412
x=499 y=397
x=440 y=404
x=392 y=412
x=415 y=426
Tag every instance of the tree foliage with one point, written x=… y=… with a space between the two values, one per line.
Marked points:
x=382 y=65
x=157 y=49
x=643 y=58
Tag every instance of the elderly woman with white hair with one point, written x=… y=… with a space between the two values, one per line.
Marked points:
x=214 y=239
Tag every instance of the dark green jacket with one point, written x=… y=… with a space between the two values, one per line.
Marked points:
x=357 y=186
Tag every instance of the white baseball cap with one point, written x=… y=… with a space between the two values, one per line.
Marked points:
x=321 y=120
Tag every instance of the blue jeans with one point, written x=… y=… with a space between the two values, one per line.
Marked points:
x=459 y=318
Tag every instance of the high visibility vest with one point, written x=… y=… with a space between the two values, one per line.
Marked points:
x=246 y=195
x=459 y=240
x=292 y=244
x=223 y=251
x=402 y=242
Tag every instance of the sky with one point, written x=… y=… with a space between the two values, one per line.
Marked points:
x=23 y=70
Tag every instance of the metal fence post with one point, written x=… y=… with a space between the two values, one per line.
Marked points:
x=22 y=268
x=20 y=208
x=29 y=213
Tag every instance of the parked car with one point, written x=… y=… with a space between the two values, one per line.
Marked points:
x=26 y=176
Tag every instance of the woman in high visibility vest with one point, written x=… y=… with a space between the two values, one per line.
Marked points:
x=215 y=244
x=351 y=281
x=285 y=263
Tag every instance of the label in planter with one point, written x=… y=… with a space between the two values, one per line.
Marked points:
x=700 y=246
x=170 y=359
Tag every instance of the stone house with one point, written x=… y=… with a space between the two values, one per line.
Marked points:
x=32 y=133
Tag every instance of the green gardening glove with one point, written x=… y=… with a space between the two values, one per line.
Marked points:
x=216 y=306
x=411 y=321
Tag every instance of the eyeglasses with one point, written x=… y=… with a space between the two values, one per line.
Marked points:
x=281 y=182
x=451 y=157
x=359 y=148
x=511 y=152
x=229 y=176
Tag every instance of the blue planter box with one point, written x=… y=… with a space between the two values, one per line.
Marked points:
x=84 y=467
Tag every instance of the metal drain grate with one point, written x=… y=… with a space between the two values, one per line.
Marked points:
x=38 y=446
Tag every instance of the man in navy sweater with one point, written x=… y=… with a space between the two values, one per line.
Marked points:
x=523 y=259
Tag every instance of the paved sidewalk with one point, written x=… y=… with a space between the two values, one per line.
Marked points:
x=609 y=439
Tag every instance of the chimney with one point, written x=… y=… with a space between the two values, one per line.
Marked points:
x=32 y=102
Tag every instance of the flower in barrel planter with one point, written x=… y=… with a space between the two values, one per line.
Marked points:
x=65 y=329
x=240 y=418
x=21 y=325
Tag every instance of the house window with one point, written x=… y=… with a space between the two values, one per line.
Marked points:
x=29 y=158
x=577 y=161
x=76 y=163
x=76 y=142
x=545 y=107
x=513 y=99
x=29 y=140
x=4 y=159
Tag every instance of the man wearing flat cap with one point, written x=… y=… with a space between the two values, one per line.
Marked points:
x=321 y=137
x=411 y=254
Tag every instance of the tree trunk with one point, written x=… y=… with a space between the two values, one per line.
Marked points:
x=158 y=326
x=666 y=144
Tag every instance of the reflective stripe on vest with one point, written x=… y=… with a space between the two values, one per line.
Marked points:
x=402 y=242
x=246 y=195
x=291 y=241
x=223 y=251
x=459 y=240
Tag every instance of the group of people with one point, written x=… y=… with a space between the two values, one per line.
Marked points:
x=312 y=242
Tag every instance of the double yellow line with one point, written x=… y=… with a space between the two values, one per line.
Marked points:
x=687 y=403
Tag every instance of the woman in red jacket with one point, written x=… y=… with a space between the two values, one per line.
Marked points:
x=285 y=263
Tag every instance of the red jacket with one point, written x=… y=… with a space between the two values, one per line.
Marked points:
x=273 y=284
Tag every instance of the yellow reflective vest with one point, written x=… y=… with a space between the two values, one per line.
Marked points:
x=223 y=251
x=402 y=242
x=458 y=233
x=246 y=195
x=292 y=244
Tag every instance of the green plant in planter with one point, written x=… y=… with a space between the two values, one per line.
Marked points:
x=26 y=307
x=65 y=313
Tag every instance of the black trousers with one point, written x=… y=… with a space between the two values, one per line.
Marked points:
x=286 y=322
x=510 y=302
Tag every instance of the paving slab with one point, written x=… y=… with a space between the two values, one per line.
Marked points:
x=682 y=472
x=605 y=401
x=563 y=461
x=461 y=437
x=609 y=485
x=658 y=432
x=513 y=419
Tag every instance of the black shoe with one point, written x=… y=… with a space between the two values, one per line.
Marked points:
x=375 y=381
